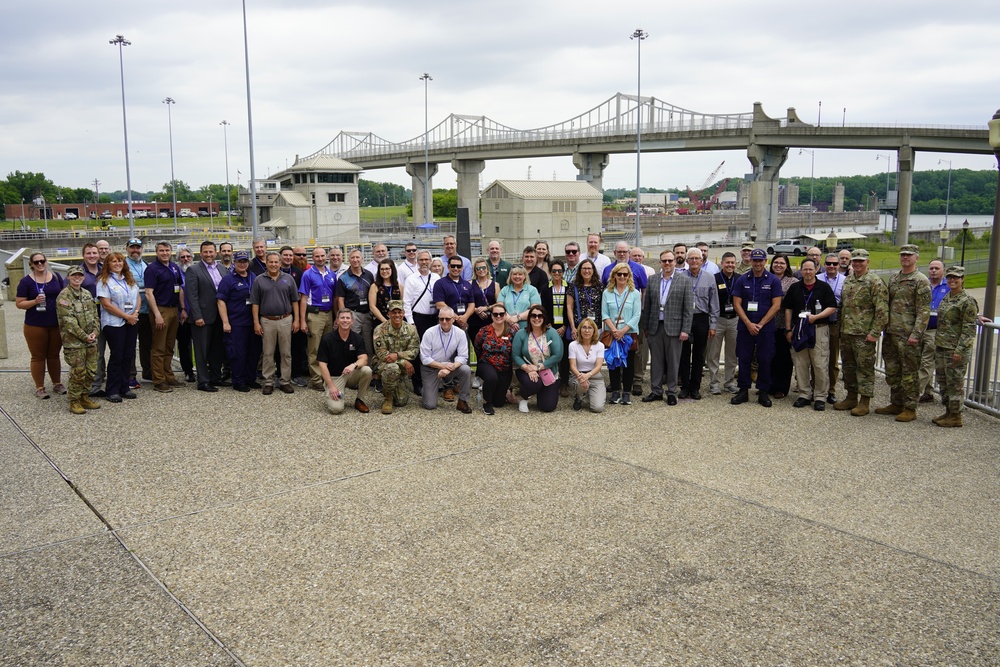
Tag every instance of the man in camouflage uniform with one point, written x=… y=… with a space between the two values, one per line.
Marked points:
x=745 y=249
x=909 y=313
x=396 y=346
x=863 y=314
x=955 y=335
x=78 y=326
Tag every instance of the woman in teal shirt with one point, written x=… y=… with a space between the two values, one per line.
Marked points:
x=537 y=349
x=620 y=310
x=518 y=295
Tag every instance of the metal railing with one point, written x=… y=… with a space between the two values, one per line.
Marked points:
x=982 y=382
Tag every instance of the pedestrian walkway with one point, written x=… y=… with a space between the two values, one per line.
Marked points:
x=260 y=530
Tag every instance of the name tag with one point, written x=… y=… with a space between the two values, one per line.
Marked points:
x=803 y=315
x=751 y=306
x=177 y=289
x=363 y=301
x=129 y=306
x=460 y=309
x=248 y=301
x=729 y=309
x=933 y=313
x=325 y=298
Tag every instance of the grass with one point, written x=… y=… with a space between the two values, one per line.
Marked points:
x=977 y=280
x=95 y=225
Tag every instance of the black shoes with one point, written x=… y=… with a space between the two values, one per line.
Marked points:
x=113 y=398
x=651 y=398
x=671 y=399
x=189 y=377
x=130 y=394
x=488 y=408
x=800 y=402
x=577 y=404
x=207 y=387
x=696 y=394
x=764 y=399
x=242 y=388
x=819 y=406
x=684 y=394
x=742 y=397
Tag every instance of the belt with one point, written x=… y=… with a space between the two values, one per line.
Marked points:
x=362 y=312
x=312 y=310
x=727 y=317
x=276 y=317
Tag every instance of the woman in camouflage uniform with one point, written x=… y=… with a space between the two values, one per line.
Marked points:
x=78 y=325
x=953 y=345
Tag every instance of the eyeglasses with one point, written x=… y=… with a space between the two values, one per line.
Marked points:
x=498 y=314
x=666 y=261
x=38 y=261
x=833 y=263
x=445 y=319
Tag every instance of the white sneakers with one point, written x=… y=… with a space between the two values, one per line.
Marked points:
x=522 y=405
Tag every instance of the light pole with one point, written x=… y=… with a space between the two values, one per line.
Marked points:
x=812 y=181
x=819 y=115
x=888 y=169
x=173 y=183
x=253 y=178
x=965 y=234
x=947 y=205
x=229 y=202
x=639 y=35
x=944 y=238
x=122 y=43
x=427 y=195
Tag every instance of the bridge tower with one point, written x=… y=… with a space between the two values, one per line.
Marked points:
x=904 y=163
x=591 y=166
x=766 y=161
x=468 y=172
x=416 y=171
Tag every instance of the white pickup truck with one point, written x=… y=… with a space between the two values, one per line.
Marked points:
x=788 y=247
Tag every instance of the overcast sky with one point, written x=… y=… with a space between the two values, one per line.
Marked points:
x=319 y=67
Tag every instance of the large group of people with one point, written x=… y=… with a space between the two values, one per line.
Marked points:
x=578 y=325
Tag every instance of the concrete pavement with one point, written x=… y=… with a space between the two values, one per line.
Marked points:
x=262 y=531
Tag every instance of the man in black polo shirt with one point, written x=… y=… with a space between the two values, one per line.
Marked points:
x=343 y=363
x=165 y=296
x=352 y=293
x=536 y=276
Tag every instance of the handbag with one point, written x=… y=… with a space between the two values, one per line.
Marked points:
x=546 y=376
x=607 y=336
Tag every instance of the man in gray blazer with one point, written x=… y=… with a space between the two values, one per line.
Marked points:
x=202 y=282
x=667 y=311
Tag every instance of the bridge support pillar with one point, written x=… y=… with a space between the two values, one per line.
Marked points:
x=468 y=185
x=905 y=158
x=591 y=166
x=420 y=178
x=766 y=161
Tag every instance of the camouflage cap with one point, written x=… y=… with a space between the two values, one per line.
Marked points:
x=747 y=245
x=955 y=271
x=859 y=253
x=909 y=249
x=395 y=304
x=74 y=270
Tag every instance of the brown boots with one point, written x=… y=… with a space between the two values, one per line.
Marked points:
x=81 y=405
x=891 y=409
x=848 y=403
x=88 y=404
x=949 y=420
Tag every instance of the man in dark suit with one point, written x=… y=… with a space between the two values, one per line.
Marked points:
x=667 y=311
x=203 y=280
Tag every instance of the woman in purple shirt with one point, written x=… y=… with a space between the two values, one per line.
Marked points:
x=36 y=295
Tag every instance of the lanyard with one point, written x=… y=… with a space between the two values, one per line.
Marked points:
x=665 y=288
x=441 y=338
x=517 y=296
x=541 y=350
x=121 y=283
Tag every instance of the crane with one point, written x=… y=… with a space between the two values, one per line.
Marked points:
x=695 y=197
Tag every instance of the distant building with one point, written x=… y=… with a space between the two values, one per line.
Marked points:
x=788 y=196
x=41 y=210
x=311 y=200
x=517 y=213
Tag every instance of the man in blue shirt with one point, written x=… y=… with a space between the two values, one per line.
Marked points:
x=242 y=346
x=138 y=268
x=925 y=374
x=317 y=288
x=757 y=299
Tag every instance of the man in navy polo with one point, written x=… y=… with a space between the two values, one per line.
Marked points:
x=757 y=299
x=452 y=291
x=165 y=297
x=315 y=305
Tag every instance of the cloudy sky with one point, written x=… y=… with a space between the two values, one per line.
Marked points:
x=318 y=67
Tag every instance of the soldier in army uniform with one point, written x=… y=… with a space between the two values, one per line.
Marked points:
x=864 y=305
x=744 y=264
x=909 y=313
x=78 y=325
x=396 y=346
x=953 y=345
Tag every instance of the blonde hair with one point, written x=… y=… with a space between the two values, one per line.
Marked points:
x=614 y=270
x=594 y=337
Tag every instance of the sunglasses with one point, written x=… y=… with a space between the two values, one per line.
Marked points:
x=498 y=314
x=300 y=254
x=555 y=271
x=536 y=316
x=666 y=261
x=445 y=319
x=454 y=266
x=480 y=268
x=411 y=250
x=833 y=263
x=621 y=274
x=572 y=252
x=38 y=261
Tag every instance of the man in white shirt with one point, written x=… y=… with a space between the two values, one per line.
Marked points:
x=418 y=304
x=337 y=261
x=600 y=261
x=444 y=354
x=408 y=266
x=380 y=252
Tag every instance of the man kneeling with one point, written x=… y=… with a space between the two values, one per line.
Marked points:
x=343 y=364
x=444 y=353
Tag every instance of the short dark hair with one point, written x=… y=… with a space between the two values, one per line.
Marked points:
x=206 y=243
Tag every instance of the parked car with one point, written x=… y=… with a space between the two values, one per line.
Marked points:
x=789 y=247
x=69 y=216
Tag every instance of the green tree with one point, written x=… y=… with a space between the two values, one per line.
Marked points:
x=30 y=185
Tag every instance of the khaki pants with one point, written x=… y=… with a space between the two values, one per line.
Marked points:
x=725 y=335
x=319 y=325
x=815 y=360
x=360 y=379
x=277 y=333
x=161 y=351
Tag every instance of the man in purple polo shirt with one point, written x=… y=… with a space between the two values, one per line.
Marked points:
x=165 y=296
x=317 y=288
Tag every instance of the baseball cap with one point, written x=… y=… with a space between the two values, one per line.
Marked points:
x=395 y=304
x=133 y=241
x=955 y=271
x=74 y=270
x=241 y=255
x=859 y=253
x=909 y=249
x=758 y=253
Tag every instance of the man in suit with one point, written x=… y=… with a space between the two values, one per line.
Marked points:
x=202 y=284
x=667 y=312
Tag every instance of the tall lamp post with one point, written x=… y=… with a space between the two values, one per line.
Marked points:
x=427 y=195
x=173 y=183
x=812 y=181
x=888 y=170
x=947 y=204
x=121 y=42
x=229 y=202
x=253 y=177
x=965 y=235
x=639 y=35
